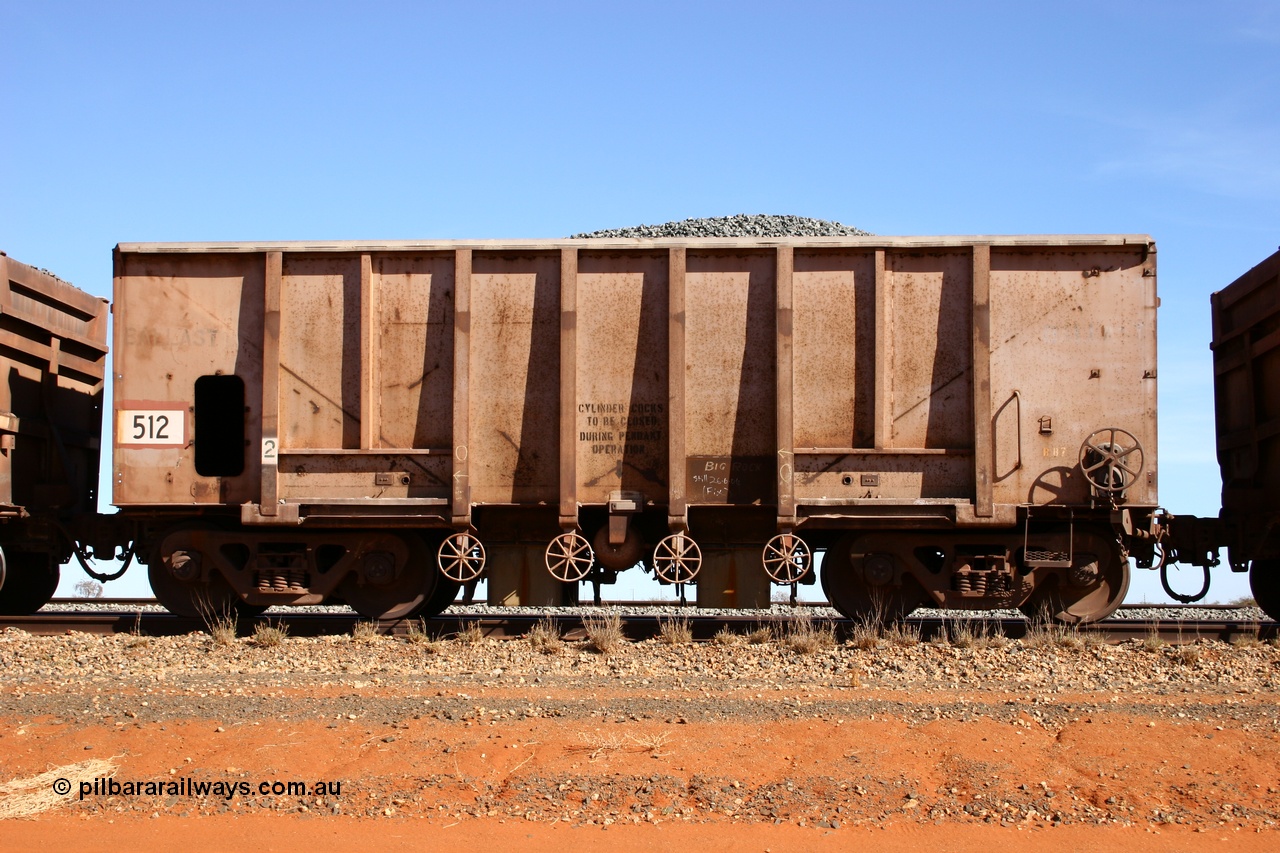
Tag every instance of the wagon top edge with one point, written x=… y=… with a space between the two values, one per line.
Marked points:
x=874 y=242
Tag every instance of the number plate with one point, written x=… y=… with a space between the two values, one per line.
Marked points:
x=151 y=427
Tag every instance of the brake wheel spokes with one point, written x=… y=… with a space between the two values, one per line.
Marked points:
x=677 y=559
x=787 y=558
x=461 y=557
x=1107 y=459
x=569 y=557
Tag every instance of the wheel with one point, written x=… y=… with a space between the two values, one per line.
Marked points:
x=848 y=590
x=441 y=597
x=569 y=557
x=1090 y=590
x=461 y=557
x=196 y=599
x=787 y=558
x=1111 y=459
x=29 y=581
x=677 y=559
x=1264 y=580
x=176 y=579
x=376 y=591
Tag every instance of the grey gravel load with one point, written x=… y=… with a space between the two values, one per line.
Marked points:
x=740 y=225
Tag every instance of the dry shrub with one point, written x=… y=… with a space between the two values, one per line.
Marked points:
x=1248 y=638
x=366 y=632
x=267 y=636
x=726 y=636
x=1044 y=633
x=805 y=636
x=761 y=635
x=223 y=630
x=675 y=631
x=545 y=637
x=417 y=634
x=903 y=634
x=1187 y=654
x=220 y=622
x=596 y=746
x=419 y=637
x=35 y=794
x=470 y=634
x=865 y=636
x=960 y=633
x=604 y=632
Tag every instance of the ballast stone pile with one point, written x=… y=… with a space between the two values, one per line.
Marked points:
x=741 y=225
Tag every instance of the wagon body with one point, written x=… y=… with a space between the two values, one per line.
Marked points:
x=728 y=388
x=53 y=346
x=1246 y=371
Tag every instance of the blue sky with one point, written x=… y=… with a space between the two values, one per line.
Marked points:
x=257 y=121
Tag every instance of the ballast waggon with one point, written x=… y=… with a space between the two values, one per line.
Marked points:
x=959 y=422
x=968 y=422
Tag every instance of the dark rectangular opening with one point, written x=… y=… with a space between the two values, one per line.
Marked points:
x=219 y=426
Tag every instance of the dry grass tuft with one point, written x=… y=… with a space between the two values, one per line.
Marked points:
x=805 y=636
x=545 y=637
x=960 y=633
x=221 y=623
x=419 y=637
x=675 y=631
x=470 y=634
x=865 y=636
x=1046 y=634
x=903 y=634
x=365 y=632
x=1153 y=642
x=1187 y=654
x=596 y=746
x=726 y=636
x=223 y=630
x=35 y=794
x=268 y=636
x=604 y=632
x=1248 y=638
x=761 y=635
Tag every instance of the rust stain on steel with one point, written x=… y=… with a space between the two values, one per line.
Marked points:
x=50 y=404
x=1244 y=362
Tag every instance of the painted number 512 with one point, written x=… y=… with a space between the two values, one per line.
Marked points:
x=151 y=427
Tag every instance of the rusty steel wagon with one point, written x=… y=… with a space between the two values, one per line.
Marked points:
x=1246 y=367
x=967 y=422
x=53 y=350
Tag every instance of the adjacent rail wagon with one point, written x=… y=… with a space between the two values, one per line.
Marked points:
x=1246 y=362
x=53 y=350
x=966 y=422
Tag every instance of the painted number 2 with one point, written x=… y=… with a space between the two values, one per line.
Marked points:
x=268 y=449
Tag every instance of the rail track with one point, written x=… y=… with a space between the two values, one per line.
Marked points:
x=129 y=616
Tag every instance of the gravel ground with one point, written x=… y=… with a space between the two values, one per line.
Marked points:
x=732 y=732
x=740 y=225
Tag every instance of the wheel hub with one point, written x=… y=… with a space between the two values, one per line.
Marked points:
x=878 y=570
